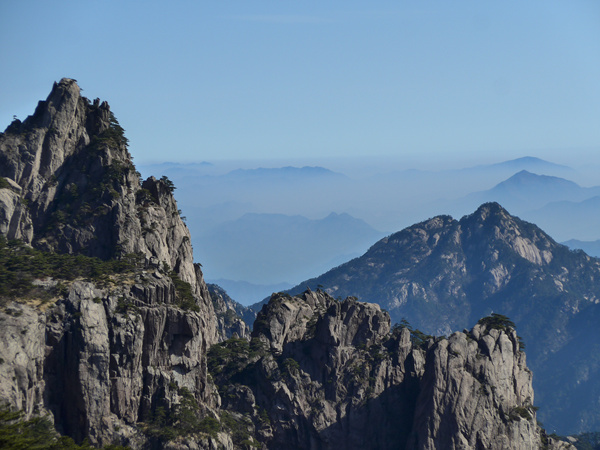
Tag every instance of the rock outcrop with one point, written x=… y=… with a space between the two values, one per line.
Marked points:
x=79 y=191
x=107 y=352
x=233 y=319
x=334 y=375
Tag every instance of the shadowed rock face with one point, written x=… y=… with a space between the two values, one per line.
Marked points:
x=332 y=373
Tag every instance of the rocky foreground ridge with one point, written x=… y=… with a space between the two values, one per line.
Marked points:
x=108 y=330
x=322 y=373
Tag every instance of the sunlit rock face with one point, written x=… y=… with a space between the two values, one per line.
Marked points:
x=101 y=355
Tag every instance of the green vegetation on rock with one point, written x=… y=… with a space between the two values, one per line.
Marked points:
x=233 y=355
x=20 y=265
x=37 y=433
x=185 y=296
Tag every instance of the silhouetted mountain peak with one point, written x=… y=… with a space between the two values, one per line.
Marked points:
x=287 y=171
x=525 y=177
x=531 y=163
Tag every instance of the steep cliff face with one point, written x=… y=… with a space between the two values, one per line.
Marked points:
x=475 y=392
x=104 y=358
x=79 y=191
x=103 y=353
x=332 y=374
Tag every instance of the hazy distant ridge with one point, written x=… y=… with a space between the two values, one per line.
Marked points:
x=270 y=248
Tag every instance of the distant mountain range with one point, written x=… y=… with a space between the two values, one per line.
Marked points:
x=269 y=248
x=526 y=191
x=214 y=197
x=287 y=174
x=567 y=219
x=592 y=248
x=443 y=274
x=528 y=163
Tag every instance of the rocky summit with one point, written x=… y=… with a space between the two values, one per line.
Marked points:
x=443 y=274
x=109 y=335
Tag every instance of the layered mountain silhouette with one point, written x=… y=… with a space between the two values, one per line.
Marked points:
x=570 y=219
x=442 y=274
x=590 y=247
x=268 y=248
x=219 y=202
x=528 y=163
x=526 y=191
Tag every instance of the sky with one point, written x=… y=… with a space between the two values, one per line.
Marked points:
x=228 y=80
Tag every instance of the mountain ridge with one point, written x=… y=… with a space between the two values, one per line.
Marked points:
x=443 y=273
x=525 y=191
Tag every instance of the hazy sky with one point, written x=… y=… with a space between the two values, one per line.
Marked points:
x=192 y=80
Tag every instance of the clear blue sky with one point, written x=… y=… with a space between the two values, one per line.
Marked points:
x=192 y=80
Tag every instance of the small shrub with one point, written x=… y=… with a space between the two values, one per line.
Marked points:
x=210 y=426
x=520 y=412
x=237 y=426
x=185 y=296
x=291 y=366
x=168 y=183
x=497 y=322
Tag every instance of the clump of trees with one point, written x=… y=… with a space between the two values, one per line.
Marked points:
x=185 y=296
x=497 y=322
x=20 y=265
x=417 y=337
x=113 y=136
x=501 y=322
x=168 y=183
x=36 y=434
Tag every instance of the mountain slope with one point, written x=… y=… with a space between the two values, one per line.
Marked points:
x=526 y=191
x=443 y=274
